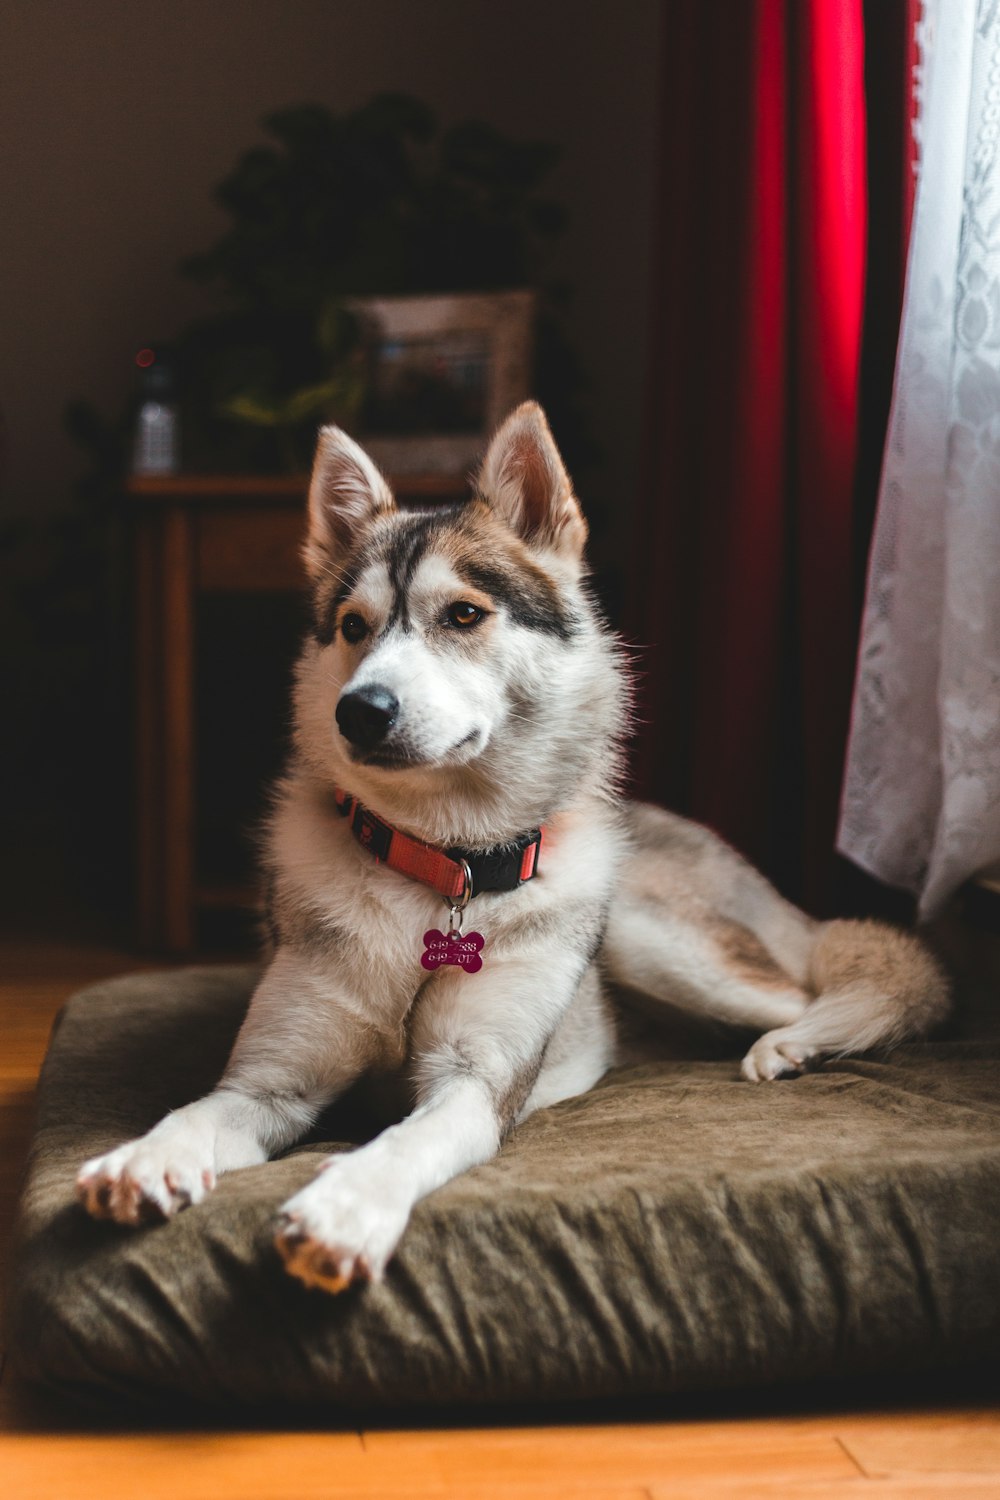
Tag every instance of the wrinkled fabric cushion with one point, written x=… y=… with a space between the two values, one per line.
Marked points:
x=673 y=1229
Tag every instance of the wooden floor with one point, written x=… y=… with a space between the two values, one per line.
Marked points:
x=869 y=1444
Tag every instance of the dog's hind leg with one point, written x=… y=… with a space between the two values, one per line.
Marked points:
x=713 y=969
x=856 y=985
x=875 y=987
x=694 y=927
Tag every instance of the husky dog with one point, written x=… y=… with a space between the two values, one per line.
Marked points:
x=458 y=713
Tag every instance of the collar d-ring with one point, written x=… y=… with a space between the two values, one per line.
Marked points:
x=456 y=904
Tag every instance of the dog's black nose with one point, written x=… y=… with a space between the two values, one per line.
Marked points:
x=366 y=716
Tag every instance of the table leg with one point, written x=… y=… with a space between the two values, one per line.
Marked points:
x=148 y=679
x=178 y=731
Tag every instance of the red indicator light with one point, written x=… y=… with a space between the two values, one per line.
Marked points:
x=145 y=358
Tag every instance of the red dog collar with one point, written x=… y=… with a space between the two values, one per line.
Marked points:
x=458 y=874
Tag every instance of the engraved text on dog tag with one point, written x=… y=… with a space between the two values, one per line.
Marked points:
x=453 y=948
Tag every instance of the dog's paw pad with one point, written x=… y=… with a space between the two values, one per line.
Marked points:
x=775 y=1056
x=142 y=1183
x=342 y=1228
x=316 y=1264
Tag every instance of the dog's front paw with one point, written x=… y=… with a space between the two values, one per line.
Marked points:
x=777 y=1054
x=342 y=1228
x=145 y=1181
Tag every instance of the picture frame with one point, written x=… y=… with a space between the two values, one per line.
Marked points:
x=441 y=374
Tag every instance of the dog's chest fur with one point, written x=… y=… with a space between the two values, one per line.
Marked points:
x=365 y=922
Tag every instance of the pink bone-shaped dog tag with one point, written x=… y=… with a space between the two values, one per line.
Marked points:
x=451 y=948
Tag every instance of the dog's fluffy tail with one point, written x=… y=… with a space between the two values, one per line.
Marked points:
x=874 y=987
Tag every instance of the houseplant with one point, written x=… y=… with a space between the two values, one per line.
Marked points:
x=379 y=200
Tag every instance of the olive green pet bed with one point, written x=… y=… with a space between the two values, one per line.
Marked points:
x=675 y=1229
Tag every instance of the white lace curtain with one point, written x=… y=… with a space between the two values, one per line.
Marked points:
x=921 y=804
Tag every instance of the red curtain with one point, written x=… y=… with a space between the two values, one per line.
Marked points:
x=742 y=602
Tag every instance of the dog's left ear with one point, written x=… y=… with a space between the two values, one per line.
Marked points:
x=524 y=480
x=346 y=492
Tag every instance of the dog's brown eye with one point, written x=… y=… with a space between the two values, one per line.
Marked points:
x=353 y=628
x=463 y=614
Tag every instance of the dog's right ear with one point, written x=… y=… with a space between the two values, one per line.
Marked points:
x=524 y=480
x=346 y=492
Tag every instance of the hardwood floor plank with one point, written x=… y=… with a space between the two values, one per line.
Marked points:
x=919 y=1487
x=643 y=1455
x=176 y=1466
x=909 y=1443
x=71 y=962
x=29 y=1007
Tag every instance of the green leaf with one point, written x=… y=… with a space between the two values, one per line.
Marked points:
x=250 y=409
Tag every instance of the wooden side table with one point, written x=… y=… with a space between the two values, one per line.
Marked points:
x=201 y=534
